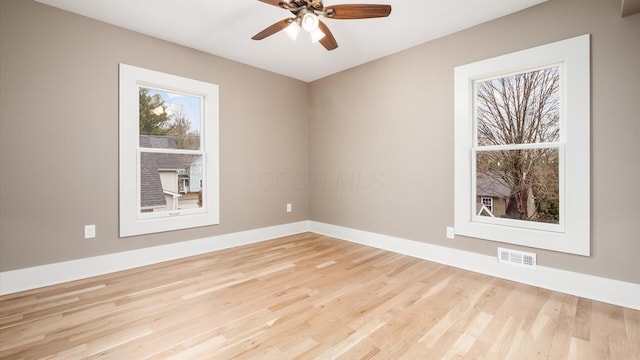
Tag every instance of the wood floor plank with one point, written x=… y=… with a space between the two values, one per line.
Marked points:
x=309 y=296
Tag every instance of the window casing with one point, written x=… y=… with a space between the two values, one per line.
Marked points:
x=161 y=156
x=551 y=204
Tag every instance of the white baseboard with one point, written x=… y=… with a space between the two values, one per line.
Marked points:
x=587 y=286
x=39 y=276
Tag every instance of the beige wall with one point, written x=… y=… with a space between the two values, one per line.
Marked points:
x=390 y=122
x=377 y=147
x=59 y=136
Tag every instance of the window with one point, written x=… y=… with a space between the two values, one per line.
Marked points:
x=488 y=203
x=168 y=141
x=522 y=136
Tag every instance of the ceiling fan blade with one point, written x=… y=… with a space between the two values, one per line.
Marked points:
x=328 y=41
x=357 y=11
x=279 y=3
x=272 y=29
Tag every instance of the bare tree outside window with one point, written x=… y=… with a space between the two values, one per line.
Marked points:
x=522 y=143
x=517 y=126
x=182 y=129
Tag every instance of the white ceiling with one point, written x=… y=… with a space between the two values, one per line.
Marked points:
x=225 y=28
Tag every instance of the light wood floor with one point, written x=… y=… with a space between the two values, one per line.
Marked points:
x=308 y=296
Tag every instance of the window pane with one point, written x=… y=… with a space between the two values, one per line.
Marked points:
x=169 y=120
x=519 y=109
x=170 y=181
x=522 y=184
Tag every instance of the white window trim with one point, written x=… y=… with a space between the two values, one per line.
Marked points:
x=132 y=221
x=573 y=236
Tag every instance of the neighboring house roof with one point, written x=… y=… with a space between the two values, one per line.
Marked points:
x=491 y=185
x=151 y=192
x=197 y=161
x=157 y=142
x=480 y=208
x=169 y=161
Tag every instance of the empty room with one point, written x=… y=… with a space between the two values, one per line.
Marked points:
x=305 y=179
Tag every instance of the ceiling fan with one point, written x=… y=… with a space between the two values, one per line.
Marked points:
x=306 y=17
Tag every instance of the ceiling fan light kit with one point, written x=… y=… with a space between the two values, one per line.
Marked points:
x=317 y=35
x=306 y=16
x=310 y=22
x=293 y=30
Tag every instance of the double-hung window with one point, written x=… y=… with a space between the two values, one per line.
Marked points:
x=522 y=135
x=168 y=152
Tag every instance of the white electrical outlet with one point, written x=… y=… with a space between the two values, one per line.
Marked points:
x=289 y=208
x=450 y=232
x=89 y=231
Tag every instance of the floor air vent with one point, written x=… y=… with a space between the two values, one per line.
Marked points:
x=515 y=257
